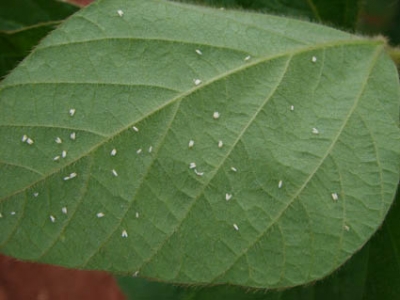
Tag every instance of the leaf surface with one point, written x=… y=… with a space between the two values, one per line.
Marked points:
x=284 y=116
x=372 y=273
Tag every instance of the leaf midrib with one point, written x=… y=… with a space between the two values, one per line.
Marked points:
x=99 y=83
x=196 y=88
x=15 y=125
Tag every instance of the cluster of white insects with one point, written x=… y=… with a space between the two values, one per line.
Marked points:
x=216 y=115
x=28 y=140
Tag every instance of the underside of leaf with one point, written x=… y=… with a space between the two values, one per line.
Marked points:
x=197 y=146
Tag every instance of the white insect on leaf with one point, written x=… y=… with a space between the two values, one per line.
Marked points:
x=52 y=219
x=64 y=154
x=233 y=169
x=315 y=131
x=72 y=112
x=216 y=115
x=314 y=59
x=29 y=141
x=292 y=107
x=64 y=210
x=192 y=165
x=35 y=194
x=71 y=176
x=24 y=138
x=100 y=215
x=198 y=51
x=124 y=234
x=56 y=158
x=191 y=144
x=236 y=227
x=114 y=172
x=196 y=81
x=139 y=151
x=72 y=136
x=137 y=215
x=247 y=58
x=136 y=274
x=13 y=213
x=1 y=215
x=228 y=197
x=198 y=173
x=58 y=140
x=150 y=149
x=220 y=144
x=135 y=128
x=120 y=13
x=335 y=196
x=113 y=152
x=347 y=228
x=280 y=184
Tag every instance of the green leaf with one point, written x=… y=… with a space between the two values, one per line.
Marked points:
x=348 y=283
x=372 y=273
x=18 y=14
x=383 y=280
x=342 y=13
x=305 y=105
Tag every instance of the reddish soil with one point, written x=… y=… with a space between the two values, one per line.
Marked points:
x=33 y=281
x=80 y=2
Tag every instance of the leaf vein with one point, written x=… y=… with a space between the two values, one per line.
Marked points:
x=223 y=160
x=328 y=151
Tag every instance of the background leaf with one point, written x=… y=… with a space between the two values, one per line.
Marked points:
x=175 y=220
x=18 y=14
x=23 y=23
x=14 y=46
x=342 y=13
x=383 y=280
x=381 y=17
